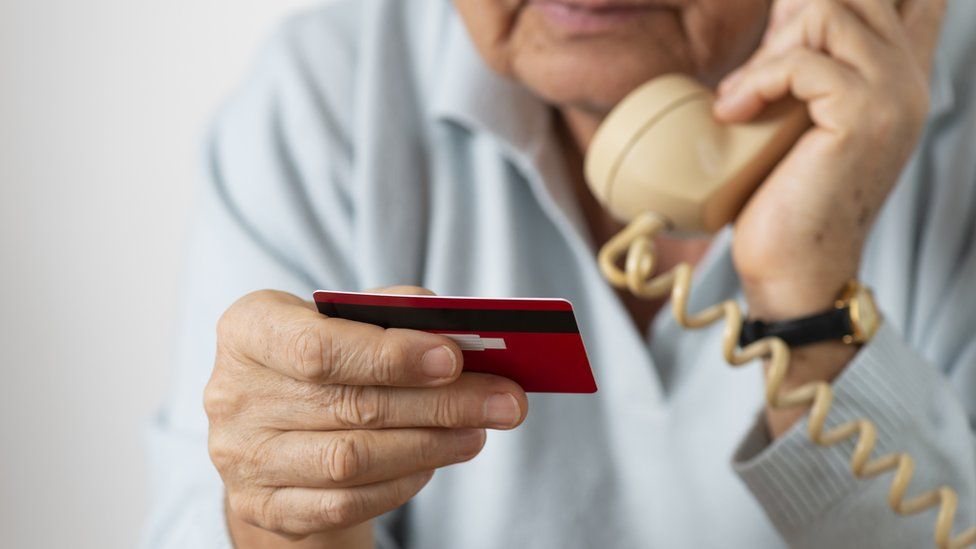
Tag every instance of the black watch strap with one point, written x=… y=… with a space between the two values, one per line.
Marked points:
x=830 y=326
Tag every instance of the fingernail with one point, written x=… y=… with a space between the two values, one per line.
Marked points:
x=439 y=363
x=469 y=442
x=502 y=410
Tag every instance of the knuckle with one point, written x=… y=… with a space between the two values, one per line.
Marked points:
x=264 y=510
x=237 y=505
x=267 y=513
x=358 y=407
x=430 y=450
x=388 y=357
x=344 y=458
x=254 y=508
x=232 y=459
x=222 y=454
x=309 y=349
x=221 y=399
x=341 y=508
x=227 y=324
x=448 y=410
x=252 y=464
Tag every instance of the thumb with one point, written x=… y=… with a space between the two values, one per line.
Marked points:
x=402 y=290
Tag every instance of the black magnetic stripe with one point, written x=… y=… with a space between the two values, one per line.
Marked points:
x=462 y=320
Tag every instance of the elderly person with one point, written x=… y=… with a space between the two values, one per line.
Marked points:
x=427 y=144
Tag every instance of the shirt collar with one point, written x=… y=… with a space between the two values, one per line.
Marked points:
x=471 y=94
x=953 y=57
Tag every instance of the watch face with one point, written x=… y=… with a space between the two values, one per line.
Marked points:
x=864 y=314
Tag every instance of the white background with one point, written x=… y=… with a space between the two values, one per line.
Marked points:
x=103 y=104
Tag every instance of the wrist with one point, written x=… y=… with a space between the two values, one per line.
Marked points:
x=784 y=299
x=774 y=301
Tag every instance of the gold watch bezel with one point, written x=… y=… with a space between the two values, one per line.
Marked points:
x=865 y=317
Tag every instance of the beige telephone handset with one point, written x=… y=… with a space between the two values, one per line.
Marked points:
x=662 y=150
x=661 y=162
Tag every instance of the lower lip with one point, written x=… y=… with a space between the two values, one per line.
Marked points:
x=580 y=20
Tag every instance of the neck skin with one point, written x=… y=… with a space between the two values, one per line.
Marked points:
x=575 y=130
x=580 y=126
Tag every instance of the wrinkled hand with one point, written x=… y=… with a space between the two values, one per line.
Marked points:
x=862 y=68
x=319 y=424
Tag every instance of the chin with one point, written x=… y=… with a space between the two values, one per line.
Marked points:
x=591 y=81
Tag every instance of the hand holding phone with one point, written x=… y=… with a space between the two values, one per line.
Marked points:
x=809 y=136
x=862 y=69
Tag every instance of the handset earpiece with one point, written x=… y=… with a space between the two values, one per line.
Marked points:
x=661 y=150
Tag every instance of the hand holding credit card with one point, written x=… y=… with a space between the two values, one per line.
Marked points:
x=533 y=341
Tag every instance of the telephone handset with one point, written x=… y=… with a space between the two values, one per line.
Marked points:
x=662 y=150
x=661 y=162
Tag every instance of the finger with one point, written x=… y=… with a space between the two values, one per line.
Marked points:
x=474 y=400
x=304 y=511
x=880 y=15
x=401 y=290
x=811 y=25
x=782 y=11
x=339 y=459
x=810 y=76
x=832 y=27
x=296 y=341
x=913 y=25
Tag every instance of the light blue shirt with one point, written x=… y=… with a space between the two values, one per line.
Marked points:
x=371 y=146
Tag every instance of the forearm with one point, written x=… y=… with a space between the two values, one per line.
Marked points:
x=247 y=536
x=808 y=491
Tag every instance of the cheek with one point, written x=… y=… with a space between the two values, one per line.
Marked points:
x=720 y=38
x=490 y=24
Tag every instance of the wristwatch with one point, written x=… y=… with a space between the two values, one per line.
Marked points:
x=854 y=320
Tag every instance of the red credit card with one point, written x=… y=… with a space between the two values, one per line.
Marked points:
x=534 y=342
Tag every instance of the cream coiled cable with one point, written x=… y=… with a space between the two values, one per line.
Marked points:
x=636 y=245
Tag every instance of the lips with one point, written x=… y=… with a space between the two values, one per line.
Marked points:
x=588 y=17
x=600 y=5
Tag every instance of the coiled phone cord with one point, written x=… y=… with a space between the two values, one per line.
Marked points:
x=636 y=244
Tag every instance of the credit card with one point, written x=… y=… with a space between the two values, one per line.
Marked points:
x=533 y=341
